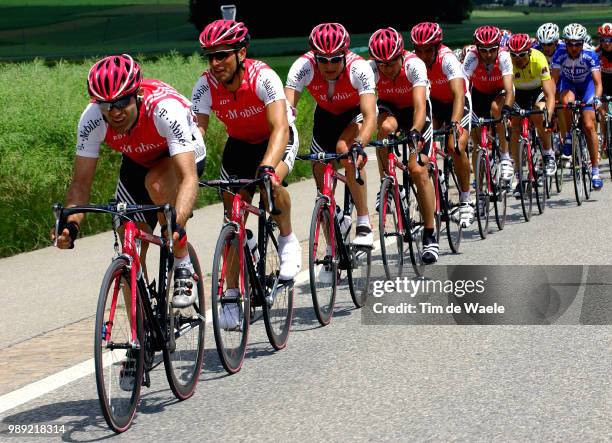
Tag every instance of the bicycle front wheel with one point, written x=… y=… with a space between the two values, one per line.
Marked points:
x=119 y=365
x=391 y=238
x=322 y=263
x=540 y=180
x=278 y=302
x=587 y=173
x=184 y=353
x=525 y=181
x=577 y=168
x=231 y=310
x=483 y=198
x=454 y=231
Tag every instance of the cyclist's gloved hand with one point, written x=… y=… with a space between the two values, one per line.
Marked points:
x=180 y=236
x=458 y=128
x=268 y=170
x=506 y=110
x=417 y=139
x=547 y=125
x=362 y=156
x=596 y=102
x=67 y=236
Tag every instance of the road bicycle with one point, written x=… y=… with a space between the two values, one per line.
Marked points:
x=135 y=318
x=607 y=128
x=256 y=280
x=332 y=256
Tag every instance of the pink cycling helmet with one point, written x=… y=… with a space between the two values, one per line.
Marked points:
x=113 y=77
x=487 y=36
x=519 y=43
x=329 y=39
x=386 y=44
x=426 y=33
x=224 y=32
x=605 y=30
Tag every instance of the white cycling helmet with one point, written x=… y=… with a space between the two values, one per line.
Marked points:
x=548 y=33
x=588 y=40
x=575 y=31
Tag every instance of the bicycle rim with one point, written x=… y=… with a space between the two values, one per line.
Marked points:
x=278 y=300
x=232 y=342
x=577 y=169
x=416 y=230
x=500 y=191
x=454 y=231
x=322 y=268
x=183 y=363
x=112 y=348
x=609 y=143
x=539 y=177
x=391 y=239
x=586 y=169
x=525 y=183
x=360 y=267
x=483 y=198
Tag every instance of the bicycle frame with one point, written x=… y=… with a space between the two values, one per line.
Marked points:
x=330 y=179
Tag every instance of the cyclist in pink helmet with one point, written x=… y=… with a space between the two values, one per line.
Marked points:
x=342 y=84
x=451 y=103
x=402 y=85
x=153 y=127
x=489 y=69
x=248 y=97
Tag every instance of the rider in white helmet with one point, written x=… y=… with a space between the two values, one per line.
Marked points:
x=548 y=40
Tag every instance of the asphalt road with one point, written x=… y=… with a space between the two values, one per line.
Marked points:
x=350 y=381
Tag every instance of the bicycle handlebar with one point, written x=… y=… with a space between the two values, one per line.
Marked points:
x=394 y=140
x=241 y=183
x=326 y=157
x=444 y=130
x=493 y=121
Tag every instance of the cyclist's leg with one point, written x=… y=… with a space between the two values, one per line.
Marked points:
x=387 y=124
x=589 y=126
x=566 y=95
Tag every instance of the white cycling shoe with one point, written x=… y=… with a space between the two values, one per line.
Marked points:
x=364 y=236
x=290 y=253
x=229 y=318
x=507 y=170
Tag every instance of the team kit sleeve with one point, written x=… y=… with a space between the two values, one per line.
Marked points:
x=416 y=72
x=593 y=61
x=269 y=87
x=300 y=75
x=505 y=63
x=91 y=131
x=469 y=64
x=172 y=121
x=200 y=97
x=451 y=67
x=362 y=77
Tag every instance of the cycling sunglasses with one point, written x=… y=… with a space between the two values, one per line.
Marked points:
x=605 y=40
x=389 y=63
x=549 y=44
x=573 y=43
x=325 y=60
x=489 y=50
x=519 y=54
x=219 y=55
x=119 y=104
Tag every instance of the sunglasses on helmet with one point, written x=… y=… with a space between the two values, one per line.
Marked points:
x=120 y=103
x=219 y=55
x=519 y=54
x=325 y=60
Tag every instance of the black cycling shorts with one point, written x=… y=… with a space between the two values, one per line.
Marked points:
x=442 y=112
x=526 y=99
x=328 y=128
x=404 y=118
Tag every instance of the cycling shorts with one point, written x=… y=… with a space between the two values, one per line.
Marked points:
x=527 y=98
x=404 y=117
x=442 y=112
x=481 y=103
x=584 y=92
x=328 y=128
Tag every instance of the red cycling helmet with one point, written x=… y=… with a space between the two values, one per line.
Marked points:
x=329 y=39
x=224 y=32
x=113 y=77
x=487 y=36
x=426 y=33
x=605 y=30
x=386 y=44
x=519 y=43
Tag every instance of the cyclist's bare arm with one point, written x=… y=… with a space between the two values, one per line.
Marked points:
x=418 y=98
x=187 y=188
x=293 y=96
x=597 y=82
x=549 y=88
x=203 y=123
x=456 y=86
x=509 y=88
x=78 y=193
x=276 y=113
x=367 y=106
x=555 y=73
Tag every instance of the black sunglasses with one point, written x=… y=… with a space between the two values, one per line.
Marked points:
x=549 y=44
x=389 y=63
x=325 y=60
x=519 y=54
x=573 y=43
x=489 y=50
x=119 y=104
x=219 y=55
x=605 y=40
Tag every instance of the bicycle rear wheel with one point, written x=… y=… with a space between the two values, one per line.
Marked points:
x=540 y=181
x=483 y=198
x=278 y=301
x=454 y=231
x=119 y=367
x=577 y=168
x=525 y=183
x=391 y=239
x=231 y=338
x=322 y=267
x=183 y=356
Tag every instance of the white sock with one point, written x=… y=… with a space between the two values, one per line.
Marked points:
x=550 y=152
x=464 y=197
x=183 y=262
x=595 y=170
x=283 y=240
x=505 y=156
x=363 y=220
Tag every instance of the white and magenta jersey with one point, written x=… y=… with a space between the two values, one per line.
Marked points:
x=445 y=68
x=336 y=96
x=243 y=112
x=398 y=91
x=165 y=126
x=487 y=78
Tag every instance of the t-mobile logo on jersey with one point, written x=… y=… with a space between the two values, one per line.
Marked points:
x=233 y=114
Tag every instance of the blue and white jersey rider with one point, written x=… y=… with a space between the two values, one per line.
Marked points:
x=576 y=74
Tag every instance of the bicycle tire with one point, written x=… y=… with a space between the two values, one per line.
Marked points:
x=392 y=253
x=416 y=228
x=587 y=173
x=608 y=121
x=118 y=411
x=231 y=343
x=454 y=230
x=500 y=191
x=319 y=225
x=540 y=180
x=577 y=168
x=278 y=300
x=483 y=198
x=183 y=364
x=525 y=182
